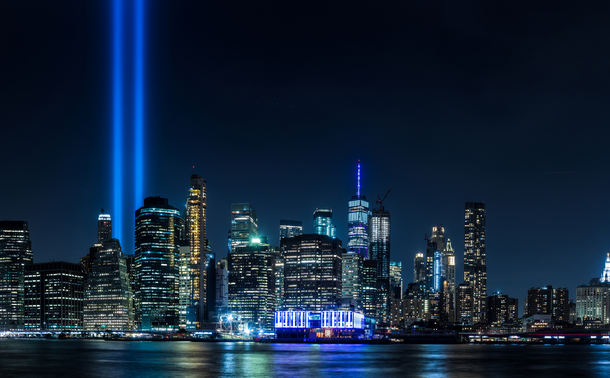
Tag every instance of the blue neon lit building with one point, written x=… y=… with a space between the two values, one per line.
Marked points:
x=357 y=223
x=158 y=227
x=319 y=324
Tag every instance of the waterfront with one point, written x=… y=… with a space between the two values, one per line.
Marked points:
x=96 y=358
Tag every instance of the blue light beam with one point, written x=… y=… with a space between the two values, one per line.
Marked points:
x=139 y=103
x=117 y=126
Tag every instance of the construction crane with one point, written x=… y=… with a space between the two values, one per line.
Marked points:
x=380 y=200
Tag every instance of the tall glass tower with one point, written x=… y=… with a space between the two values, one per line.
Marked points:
x=323 y=223
x=196 y=233
x=244 y=225
x=157 y=236
x=379 y=226
x=357 y=223
x=104 y=227
x=475 y=266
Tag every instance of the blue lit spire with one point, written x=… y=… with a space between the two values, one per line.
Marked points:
x=358 y=178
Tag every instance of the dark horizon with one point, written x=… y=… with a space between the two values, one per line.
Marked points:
x=274 y=105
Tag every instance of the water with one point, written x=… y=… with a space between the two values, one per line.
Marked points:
x=95 y=358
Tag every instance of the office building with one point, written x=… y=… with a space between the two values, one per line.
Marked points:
x=369 y=288
x=15 y=255
x=108 y=298
x=415 y=302
x=195 y=229
x=501 y=309
x=379 y=229
x=222 y=288
x=593 y=302
x=54 y=293
x=357 y=222
x=280 y=292
x=475 y=266
x=210 y=267
x=244 y=225
x=290 y=228
x=252 y=294
x=396 y=279
x=419 y=268
x=157 y=237
x=546 y=300
x=323 y=223
x=463 y=304
x=104 y=227
x=312 y=272
x=352 y=278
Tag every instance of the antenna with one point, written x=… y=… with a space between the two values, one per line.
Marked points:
x=358 y=178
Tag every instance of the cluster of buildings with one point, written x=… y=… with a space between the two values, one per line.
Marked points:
x=308 y=285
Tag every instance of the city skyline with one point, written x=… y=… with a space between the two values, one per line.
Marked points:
x=521 y=89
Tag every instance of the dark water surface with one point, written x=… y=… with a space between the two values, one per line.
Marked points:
x=93 y=358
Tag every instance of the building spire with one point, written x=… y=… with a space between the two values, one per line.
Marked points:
x=606 y=272
x=358 y=192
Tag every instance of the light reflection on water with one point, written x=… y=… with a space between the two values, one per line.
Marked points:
x=92 y=358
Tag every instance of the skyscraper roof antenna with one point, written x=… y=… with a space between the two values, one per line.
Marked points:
x=358 y=193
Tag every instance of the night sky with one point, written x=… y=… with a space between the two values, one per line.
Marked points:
x=274 y=103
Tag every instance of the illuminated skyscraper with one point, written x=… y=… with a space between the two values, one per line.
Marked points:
x=104 y=227
x=157 y=238
x=252 y=293
x=606 y=272
x=15 y=255
x=357 y=223
x=396 y=278
x=475 y=267
x=195 y=223
x=419 y=268
x=290 y=228
x=312 y=272
x=379 y=229
x=369 y=288
x=108 y=299
x=54 y=296
x=352 y=278
x=244 y=224
x=323 y=223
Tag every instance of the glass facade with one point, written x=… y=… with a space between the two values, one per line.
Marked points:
x=104 y=227
x=252 y=293
x=379 y=226
x=15 y=255
x=195 y=224
x=352 y=277
x=312 y=272
x=290 y=228
x=157 y=261
x=475 y=266
x=244 y=225
x=108 y=297
x=54 y=293
x=323 y=223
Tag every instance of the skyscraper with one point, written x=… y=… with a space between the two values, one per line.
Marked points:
x=419 y=268
x=379 y=229
x=15 y=255
x=475 y=268
x=357 y=223
x=195 y=224
x=352 y=278
x=104 y=227
x=252 y=293
x=312 y=272
x=290 y=228
x=54 y=296
x=107 y=298
x=244 y=224
x=157 y=265
x=323 y=223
